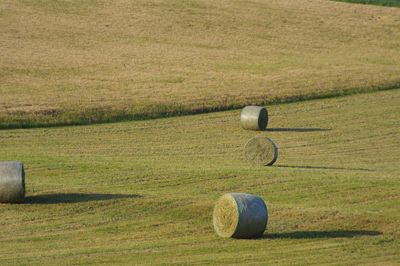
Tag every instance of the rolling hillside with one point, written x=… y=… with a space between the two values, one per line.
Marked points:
x=74 y=62
x=142 y=192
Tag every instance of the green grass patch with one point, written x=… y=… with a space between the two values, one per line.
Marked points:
x=395 y=3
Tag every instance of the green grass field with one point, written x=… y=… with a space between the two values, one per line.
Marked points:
x=395 y=3
x=143 y=191
x=80 y=62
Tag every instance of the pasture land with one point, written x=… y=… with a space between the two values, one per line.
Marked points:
x=395 y=3
x=80 y=62
x=143 y=191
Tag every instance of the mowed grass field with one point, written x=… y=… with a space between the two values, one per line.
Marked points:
x=143 y=191
x=77 y=62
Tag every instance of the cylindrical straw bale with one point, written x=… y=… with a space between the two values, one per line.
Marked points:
x=240 y=215
x=12 y=182
x=254 y=118
x=261 y=150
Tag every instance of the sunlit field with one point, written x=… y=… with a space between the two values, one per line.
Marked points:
x=126 y=117
x=81 y=62
x=143 y=192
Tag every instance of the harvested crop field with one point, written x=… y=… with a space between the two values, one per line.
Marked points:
x=143 y=191
x=173 y=76
x=73 y=62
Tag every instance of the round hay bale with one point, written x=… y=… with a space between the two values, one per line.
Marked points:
x=12 y=182
x=240 y=215
x=261 y=150
x=254 y=118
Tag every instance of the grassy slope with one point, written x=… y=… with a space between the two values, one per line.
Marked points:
x=333 y=196
x=374 y=2
x=86 y=61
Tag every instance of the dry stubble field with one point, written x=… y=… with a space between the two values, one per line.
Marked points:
x=77 y=62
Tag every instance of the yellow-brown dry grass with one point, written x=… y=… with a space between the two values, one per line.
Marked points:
x=225 y=216
x=90 y=61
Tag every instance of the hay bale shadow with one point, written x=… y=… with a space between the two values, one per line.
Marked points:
x=322 y=234
x=58 y=198
x=323 y=167
x=282 y=129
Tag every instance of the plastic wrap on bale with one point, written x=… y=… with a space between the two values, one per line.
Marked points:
x=254 y=118
x=12 y=182
x=240 y=215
